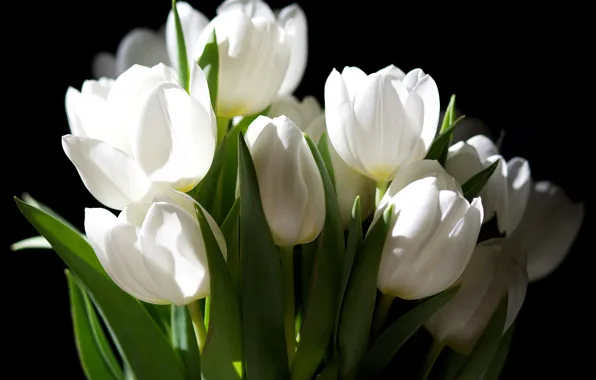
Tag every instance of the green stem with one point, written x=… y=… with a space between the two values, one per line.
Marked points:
x=222 y=128
x=381 y=312
x=431 y=358
x=287 y=273
x=198 y=323
x=381 y=190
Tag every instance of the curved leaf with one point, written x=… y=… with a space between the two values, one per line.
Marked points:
x=262 y=300
x=185 y=342
x=496 y=365
x=474 y=185
x=183 y=70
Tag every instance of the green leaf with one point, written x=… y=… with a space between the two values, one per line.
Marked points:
x=452 y=363
x=226 y=188
x=474 y=185
x=209 y=62
x=222 y=355
x=359 y=301
x=330 y=372
x=145 y=348
x=496 y=365
x=390 y=341
x=449 y=116
x=231 y=231
x=353 y=246
x=480 y=359
x=35 y=242
x=323 y=147
x=262 y=300
x=183 y=70
x=37 y=204
x=206 y=191
x=440 y=145
x=161 y=314
x=307 y=262
x=318 y=323
x=96 y=356
x=185 y=341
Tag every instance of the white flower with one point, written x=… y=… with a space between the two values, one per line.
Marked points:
x=140 y=46
x=293 y=20
x=154 y=250
x=381 y=122
x=507 y=191
x=432 y=232
x=289 y=180
x=497 y=268
x=548 y=228
x=309 y=117
x=139 y=134
x=254 y=54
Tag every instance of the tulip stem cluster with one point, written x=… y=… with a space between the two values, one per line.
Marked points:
x=381 y=190
x=431 y=358
x=198 y=322
x=382 y=308
x=287 y=271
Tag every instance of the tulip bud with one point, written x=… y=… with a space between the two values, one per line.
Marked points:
x=140 y=46
x=289 y=180
x=548 y=228
x=381 y=122
x=154 y=250
x=507 y=191
x=293 y=20
x=497 y=268
x=432 y=232
x=301 y=113
x=140 y=134
x=254 y=53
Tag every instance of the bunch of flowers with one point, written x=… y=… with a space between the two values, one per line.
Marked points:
x=253 y=235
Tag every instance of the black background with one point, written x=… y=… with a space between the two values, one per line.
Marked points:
x=516 y=66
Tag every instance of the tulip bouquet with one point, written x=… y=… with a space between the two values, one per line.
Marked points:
x=262 y=237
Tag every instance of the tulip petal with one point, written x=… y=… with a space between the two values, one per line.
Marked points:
x=516 y=294
x=252 y=8
x=193 y=22
x=71 y=103
x=340 y=118
x=111 y=176
x=484 y=146
x=548 y=228
x=293 y=20
x=394 y=71
x=104 y=65
x=143 y=47
x=174 y=137
x=519 y=186
x=427 y=89
x=353 y=78
x=288 y=106
x=99 y=223
x=199 y=89
x=174 y=253
x=412 y=78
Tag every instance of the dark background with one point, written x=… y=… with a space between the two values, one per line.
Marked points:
x=518 y=67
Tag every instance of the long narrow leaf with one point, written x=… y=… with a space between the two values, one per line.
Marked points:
x=390 y=341
x=474 y=185
x=231 y=231
x=183 y=70
x=496 y=365
x=359 y=301
x=262 y=300
x=318 y=323
x=209 y=62
x=143 y=345
x=96 y=356
x=185 y=342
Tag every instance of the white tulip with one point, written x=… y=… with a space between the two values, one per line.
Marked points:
x=507 y=191
x=140 y=134
x=193 y=22
x=293 y=20
x=289 y=180
x=154 y=250
x=140 y=46
x=381 y=122
x=432 y=233
x=548 y=228
x=497 y=268
x=310 y=118
x=254 y=53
